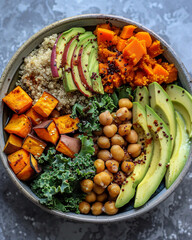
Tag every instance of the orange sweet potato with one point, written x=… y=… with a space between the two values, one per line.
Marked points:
x=155 y=49
x=66 y=124
x=34 y=164
x=121 y=44
x=45 y=105
x=144 y=36
x=47 y=131
x=171 y=70
x=13 y=144
x=127 y=31
x=104 y=36
x=34 y=116
x=160 y=71
x=68 y=145
x=34 y=145
x=19 y=125
x=18 y=100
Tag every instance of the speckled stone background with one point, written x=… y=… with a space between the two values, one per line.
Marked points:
x=19 y=218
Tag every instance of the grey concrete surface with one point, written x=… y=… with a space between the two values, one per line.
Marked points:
x=19 y=218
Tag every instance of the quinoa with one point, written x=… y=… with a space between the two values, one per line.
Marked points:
x=36 y=77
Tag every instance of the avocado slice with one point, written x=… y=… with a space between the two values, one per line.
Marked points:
x=180 y=152
x=162 y=105
x=142 y=95
x=142 y=162
x=182 y=102
x=61 y=43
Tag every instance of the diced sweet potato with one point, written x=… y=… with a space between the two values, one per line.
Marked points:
x=45 y=105
x=104 y=36
x=13 y=144
x=34 y=145
x=155 y=49
x=66 y=124
x=47 y=131
x=34 y=116
x=34 y=164
x=19 y=125
x=18 y=160
x=121 y=44
x=68 y=145
x=160 y=71
x=18 y=100
x=127 y=31
x=144 y=36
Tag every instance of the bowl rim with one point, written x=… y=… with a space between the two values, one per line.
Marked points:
x=21 y=186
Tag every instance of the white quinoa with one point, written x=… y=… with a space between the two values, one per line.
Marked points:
x=36 y=77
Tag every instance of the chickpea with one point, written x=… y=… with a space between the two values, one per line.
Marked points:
x=117 y=140
x=127 y=167
x=110 y=174
x=84 y=207
x=134 y=149
x=86 y=185
x=124 y=114
x=55 y=114
x=115 y=118
x=100 y=165
x=112 y=166
x=102 y=197
x=125 y=102
x=102 y=179
x=98 y=133
x=104 y=155
x=126 y=157
x=98 y=189
x=109 y=208
x=103 y=142
x=117 y=152
x=110 y=130
x=105 y=118
x=132 y=136
x=113 y=190
x=124 y=129
x=90 y=197
x=97 y=208
x=119 y=178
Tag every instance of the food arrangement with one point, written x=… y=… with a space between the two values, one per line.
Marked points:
x=110 y=126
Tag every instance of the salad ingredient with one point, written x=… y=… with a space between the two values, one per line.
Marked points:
x=105 y=118
x=13 y=144
x=162 y=105
x=99 y=165
x=104 y=155
x=18 y=100
x=97 y=208
x=66 y=124
x=45 y=105
x=34 y=117
x=103 y=142
x=142 y=162
x=98 y=189
x=110 y=130
x=125 y=102
x=34 y=145
x=123 y=114
x=34 y=164
x=142 y=95
x=134 y=149
x=181 y=100
x=144 y=36
x=19 y=125
x=160 y=158
x=110 y=208
x=102 y=179
x=47 y=131
x=112 y=166
x=86 y=185
x=105 y=35
x=90 y=197
x=155 y=49
x=127 y=31
x=119 y=178
x=68 y=146
x=117 y=140
x=84 y=207
x=102 y=197
x=125 y=129
x=113 y=190
x=180 y=152
x=132 y=137
x=117 y=153
x=127 y=167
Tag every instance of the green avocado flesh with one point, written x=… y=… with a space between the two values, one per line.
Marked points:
x=180 y=152
x=63 y=40
x=142 y=96
x=161 y=156
x=162 y=105
x=182 y=102
x=142 y=162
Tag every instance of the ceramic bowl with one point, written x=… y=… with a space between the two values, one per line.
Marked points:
x=10 y=75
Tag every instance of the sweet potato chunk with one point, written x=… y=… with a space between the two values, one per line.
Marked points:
x=68 y=145
x=104 y=36
x=18 y=160
x=121 y=44
x=144 y=36
x=34 y=164
x=34 y=145
x=155 y=49
x=19 y=125
x=47 y=131
x=18 y=100
x=127 y=31
x=34 y=116
x=45 y=105
x=160 y=71
x=66 y=124
x=13 y=144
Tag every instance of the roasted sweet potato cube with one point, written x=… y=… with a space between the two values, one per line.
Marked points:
x=13 y=144
x=127 y=31
x=155 y=49
x=34 y=164
x=18 y=160
x=68 y=145
x=47 y=131
x=45 y=105
x=18 y=100
x=66 y=124
x=34 y=116
x=19 y=125
x=160 y=71
x=34 y=145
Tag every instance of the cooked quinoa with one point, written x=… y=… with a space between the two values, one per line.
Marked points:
x=36 y=77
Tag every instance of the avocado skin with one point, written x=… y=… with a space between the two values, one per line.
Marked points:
x=180 y=152
x=161 y=156
x=182 y=102
x=142 y=95
x=140 y=124
x=162 y=105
